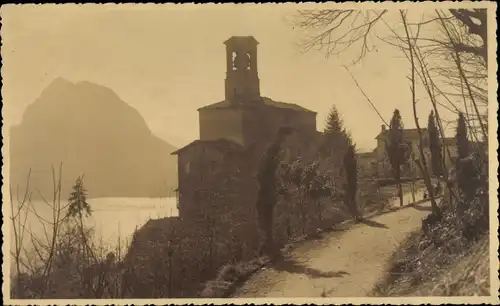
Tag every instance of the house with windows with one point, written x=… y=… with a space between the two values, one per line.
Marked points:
x=412 y=139
x=367 y=164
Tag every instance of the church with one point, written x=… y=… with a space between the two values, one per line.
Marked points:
x=235 y=132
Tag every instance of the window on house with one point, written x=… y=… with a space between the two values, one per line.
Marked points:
x=187 y=167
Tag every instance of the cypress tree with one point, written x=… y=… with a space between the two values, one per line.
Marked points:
x=462 y=153
x=351 y=170
x=461 y=137
x=396 y=150
x=434 y=146
x=269 y=189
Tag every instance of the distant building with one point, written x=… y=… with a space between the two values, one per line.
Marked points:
x=449 y=145
x=367 y=163
x=235 y=132
x=412 y=139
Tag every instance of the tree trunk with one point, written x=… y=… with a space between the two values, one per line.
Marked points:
x=400 y=193
x=287 y=217
x=423 y=166
x=428 y=185
x=320 y=213
x=302 y=213
x=413 y=186
x=170 y=275
x=288 y=227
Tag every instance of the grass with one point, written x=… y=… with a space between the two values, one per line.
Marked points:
x=468 y=277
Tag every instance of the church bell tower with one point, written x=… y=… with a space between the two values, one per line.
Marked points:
x=242 y=79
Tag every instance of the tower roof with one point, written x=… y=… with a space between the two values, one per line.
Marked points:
x=241 y=39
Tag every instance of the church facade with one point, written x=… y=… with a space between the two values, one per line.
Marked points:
x=235 y=132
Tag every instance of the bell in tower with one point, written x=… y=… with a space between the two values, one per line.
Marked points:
x=242 y=79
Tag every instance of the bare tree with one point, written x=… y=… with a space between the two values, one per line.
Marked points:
x=336 y=30
x=476 y=22
x=456 y=48
x=422 y=162
x=450 y=56
x=466 y=79
x=57 y=259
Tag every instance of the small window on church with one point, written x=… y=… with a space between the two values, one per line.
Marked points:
x=241 y=61
x=234 y=60
x=187 y=167
x=248 y=60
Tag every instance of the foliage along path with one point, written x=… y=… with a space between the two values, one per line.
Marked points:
x=344 y=263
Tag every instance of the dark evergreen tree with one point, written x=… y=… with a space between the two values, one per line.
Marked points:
x=351 y=171
x=335 y=138
x=461 y=137
x=77 y=207
x=462 y=153
x=77 y=202
x=334 y=124
x=269 y=189
x=435 y=146
x=397 y=151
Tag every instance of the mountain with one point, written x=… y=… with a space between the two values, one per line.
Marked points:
x=91 y=131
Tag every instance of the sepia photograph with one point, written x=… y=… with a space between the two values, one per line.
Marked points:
x=326 y=153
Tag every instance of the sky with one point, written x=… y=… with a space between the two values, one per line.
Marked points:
x=168 y=60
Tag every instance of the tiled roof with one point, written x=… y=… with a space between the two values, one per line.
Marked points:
x=219 y=144
x=407 y=133
x=267 y=101
x=241 y=38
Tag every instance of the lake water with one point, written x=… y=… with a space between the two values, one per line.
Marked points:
x=112 y=218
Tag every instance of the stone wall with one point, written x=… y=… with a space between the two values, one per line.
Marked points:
x=216 y=163
x=218 y=227
x=262 y=122
x=220 y=123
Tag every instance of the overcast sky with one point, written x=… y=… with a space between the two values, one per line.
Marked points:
x=166 y=61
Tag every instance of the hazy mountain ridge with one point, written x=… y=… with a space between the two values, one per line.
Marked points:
x=91 y=131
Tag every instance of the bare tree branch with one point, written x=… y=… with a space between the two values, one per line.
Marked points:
x=338 y=29
x=464 y=78
x=424 y=169
x=367 y=98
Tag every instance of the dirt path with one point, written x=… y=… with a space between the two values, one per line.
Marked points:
x=346 y=263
